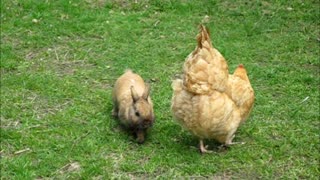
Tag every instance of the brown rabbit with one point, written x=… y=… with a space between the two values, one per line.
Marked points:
x=132 y=104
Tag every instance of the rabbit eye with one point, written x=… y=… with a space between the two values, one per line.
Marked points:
x=137 y=114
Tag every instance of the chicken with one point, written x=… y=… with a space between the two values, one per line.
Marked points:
x=208 y=101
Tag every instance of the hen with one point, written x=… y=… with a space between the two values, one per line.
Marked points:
x=208 y=101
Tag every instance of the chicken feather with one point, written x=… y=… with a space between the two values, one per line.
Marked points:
x=205 y=69
x=208 y=101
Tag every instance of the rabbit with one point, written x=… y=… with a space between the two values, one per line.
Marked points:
x=132 y=104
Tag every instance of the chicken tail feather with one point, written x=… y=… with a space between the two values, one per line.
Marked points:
x=203 y=36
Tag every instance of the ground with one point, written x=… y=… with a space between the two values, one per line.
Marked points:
x=60 y=59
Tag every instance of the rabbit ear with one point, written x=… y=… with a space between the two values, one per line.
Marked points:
x=134 y=94
x=146 y=92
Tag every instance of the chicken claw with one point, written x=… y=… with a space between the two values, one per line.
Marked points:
x=229 y=141
x=234 y=143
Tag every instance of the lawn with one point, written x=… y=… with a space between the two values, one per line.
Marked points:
x=60 y=59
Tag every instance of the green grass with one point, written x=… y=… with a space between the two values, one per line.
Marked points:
x=59 y=60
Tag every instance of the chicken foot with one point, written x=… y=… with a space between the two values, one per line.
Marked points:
x=229 y=141
x=202 y=148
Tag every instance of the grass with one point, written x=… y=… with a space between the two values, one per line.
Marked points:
x=59 y=60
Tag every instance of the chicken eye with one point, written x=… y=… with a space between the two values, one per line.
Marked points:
x=137 y=114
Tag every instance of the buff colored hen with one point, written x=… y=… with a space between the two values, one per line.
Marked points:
x=208 y=101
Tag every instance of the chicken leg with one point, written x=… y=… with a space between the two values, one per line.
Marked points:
x=202 y=148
